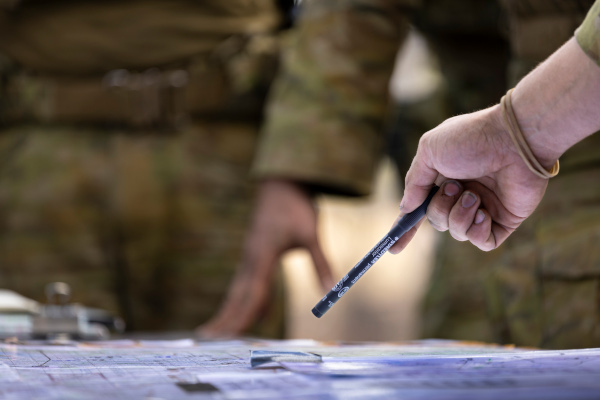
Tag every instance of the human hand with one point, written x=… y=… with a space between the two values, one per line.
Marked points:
x=487 y=191
x=284 y=218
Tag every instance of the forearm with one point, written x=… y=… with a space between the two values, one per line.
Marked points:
x=558 y=103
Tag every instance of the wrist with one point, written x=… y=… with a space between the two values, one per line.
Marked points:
x=501 y=130
x=534 y=121
x=557 y=104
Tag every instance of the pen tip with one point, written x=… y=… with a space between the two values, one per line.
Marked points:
x=316 y=312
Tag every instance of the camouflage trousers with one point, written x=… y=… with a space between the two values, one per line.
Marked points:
x=541 y=288
x=147 y=225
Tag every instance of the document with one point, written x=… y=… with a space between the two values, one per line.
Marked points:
x=188 y=369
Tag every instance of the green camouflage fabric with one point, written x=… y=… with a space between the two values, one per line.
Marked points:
x=149 y=227
x=146 y=223
x=334 y=82
x=544 y=291
x=588 y=35
x=325 y=116
x=78 y=38
x=472 y=53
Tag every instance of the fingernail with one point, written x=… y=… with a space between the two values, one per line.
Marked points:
x=401 y=205
x=468 y=199
x=479 y=217
x=451 y=188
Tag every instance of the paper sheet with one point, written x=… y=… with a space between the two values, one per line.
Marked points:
x=222 y=370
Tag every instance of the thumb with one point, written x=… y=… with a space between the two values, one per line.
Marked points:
x=420 y=178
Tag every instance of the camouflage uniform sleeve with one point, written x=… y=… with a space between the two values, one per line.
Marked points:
x=325 y=112
x=588 y=34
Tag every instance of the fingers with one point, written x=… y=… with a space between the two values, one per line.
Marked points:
x=437 y=213
x=420 y=178
x=462 y=215
x=246 y=297
x=477 y=215
x=471 y=211
x=322 y=267
x=441 y=204
x=405 y=239
x=237 y=313
x=480 y=232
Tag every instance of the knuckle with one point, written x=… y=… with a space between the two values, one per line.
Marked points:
x=437 y=218
x=487 y=246
x=458 y=236
x=485 y=241
x=436 y=225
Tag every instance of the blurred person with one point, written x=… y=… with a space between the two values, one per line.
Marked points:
x=555 y=107
x=336 y=68
x=127 y=132
x=325 y=127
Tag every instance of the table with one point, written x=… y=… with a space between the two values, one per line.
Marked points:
x=296 y=369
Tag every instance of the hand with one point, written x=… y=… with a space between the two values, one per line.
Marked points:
x=491 y=190
x=284 y=218
x=556 y=106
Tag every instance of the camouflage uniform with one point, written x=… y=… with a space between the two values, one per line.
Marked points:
x=541 y=287
x=326 y=108
x=336 y=70
x=127 y=135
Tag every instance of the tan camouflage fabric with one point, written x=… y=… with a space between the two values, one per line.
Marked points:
x=472 y=53
x=588 y=35
x=325 y=117
x=76 y=38
x=147 y=223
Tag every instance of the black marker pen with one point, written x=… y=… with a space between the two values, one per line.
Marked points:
x=404 y=225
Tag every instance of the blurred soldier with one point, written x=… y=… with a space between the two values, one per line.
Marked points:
x=325 y=131
x=336 y=69
x=127 y=132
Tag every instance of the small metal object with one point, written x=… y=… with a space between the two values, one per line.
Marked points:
x=260 y=358
x=58 y=320
x=58 y=293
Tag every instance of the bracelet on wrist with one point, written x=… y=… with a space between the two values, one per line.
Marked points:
x=520 y=143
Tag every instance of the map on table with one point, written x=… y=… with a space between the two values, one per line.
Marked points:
x=294 y=370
